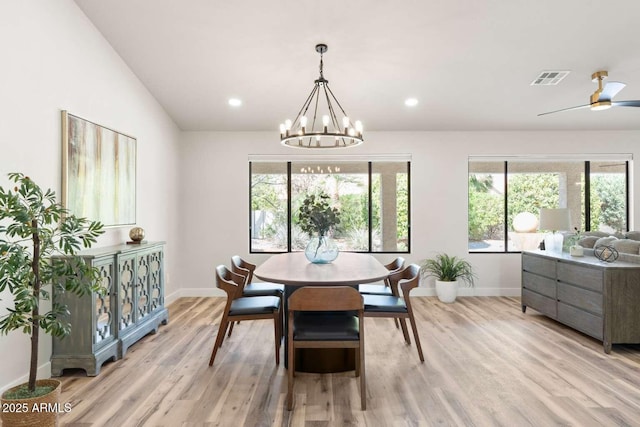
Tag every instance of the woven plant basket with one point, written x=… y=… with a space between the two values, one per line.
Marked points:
x=17 y=417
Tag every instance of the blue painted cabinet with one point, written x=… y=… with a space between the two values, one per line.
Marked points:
x=103 y=327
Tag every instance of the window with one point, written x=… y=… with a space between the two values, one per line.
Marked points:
x=372 y=196
x=503 y=191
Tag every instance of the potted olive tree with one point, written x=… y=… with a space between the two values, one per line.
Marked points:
x=448 y=271
x=38 y=243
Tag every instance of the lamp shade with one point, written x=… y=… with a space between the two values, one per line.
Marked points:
x=554 y=219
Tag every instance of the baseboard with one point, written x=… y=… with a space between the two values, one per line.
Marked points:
x=471 y=292
x=193 y=292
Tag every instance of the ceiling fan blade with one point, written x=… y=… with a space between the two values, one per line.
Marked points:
x=610 y=90
x=566 y=109
x=635 y=103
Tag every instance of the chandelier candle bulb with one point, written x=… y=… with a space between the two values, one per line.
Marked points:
x=282 y=130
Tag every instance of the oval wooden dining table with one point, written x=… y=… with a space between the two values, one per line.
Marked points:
x=294 y=270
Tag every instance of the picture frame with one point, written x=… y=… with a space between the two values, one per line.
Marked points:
x=98 y=172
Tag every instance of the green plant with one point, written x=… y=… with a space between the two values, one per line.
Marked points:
x=316 y=215
x=34 y=229
x=448 y=269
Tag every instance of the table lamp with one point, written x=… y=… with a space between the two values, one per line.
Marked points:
x=554 y=220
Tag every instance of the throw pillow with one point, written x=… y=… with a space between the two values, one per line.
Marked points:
x=633 y=235
x=627 y=246
x=588 y=242
x=604 y=241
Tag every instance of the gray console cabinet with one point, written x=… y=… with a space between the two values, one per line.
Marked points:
x=597 y=298
x=103 y=327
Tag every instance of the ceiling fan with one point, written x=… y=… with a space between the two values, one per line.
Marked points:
x=601 y=99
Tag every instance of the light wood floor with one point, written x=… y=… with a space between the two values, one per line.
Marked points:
x=487 y=364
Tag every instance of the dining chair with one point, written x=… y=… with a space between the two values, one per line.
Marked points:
x=244 y=308
x=254 y=289
x=342 y=328
x=397 y=306
x=382 y=288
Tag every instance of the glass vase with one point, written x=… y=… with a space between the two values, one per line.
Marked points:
x=321 y=250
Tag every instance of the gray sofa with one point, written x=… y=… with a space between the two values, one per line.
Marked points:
x=627 y=244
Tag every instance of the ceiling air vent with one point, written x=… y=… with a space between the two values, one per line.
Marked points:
x=549 y=78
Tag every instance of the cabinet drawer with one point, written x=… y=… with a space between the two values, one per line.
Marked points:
x=581 y=298
x=585 y=277
x=538 y=265
x=539 y=284
x=585 y=322
x=540 y=303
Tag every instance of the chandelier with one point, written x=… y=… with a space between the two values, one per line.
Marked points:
x=321 y=129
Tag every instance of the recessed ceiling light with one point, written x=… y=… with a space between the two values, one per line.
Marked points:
x=410 y=102
x=235 y=102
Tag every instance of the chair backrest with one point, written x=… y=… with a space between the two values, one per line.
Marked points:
x=406 y=279
x=396 y=264
x=325 y=298
x=230 y=282
x=240 y=266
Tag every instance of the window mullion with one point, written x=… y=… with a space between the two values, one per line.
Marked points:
x=506 y=207
x=289 y=207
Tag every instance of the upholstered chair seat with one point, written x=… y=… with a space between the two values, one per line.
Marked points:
x=259 y=289
x=326 y=327
x=254 y=305
x=382 y=303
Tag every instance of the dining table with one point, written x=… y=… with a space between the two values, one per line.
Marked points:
x=294 y=270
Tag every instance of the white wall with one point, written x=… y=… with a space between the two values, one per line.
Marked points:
x=216 y=181
x=53 y=59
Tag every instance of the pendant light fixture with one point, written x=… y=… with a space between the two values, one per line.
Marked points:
x=321 y=127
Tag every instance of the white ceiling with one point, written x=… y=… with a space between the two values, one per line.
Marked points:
x=469 y=62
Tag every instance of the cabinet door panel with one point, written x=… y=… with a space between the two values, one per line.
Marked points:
x=105 y=305
x=127 y=289
x=142 y=286
x=156 y=278
x=585 y=277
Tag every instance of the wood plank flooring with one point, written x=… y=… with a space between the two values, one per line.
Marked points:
x=486 y=364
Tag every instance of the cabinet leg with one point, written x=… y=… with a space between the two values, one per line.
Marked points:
x=524 y=308
x=607 y=347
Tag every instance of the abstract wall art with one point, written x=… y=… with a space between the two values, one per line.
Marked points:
x=98 y=172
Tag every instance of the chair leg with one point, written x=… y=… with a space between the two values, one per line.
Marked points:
x=277 y=333
x=231 y=328
x=405 y=332
x=412 y=320
x=290 y=371
x=221 y=331
x=282 y=316
x=363 y=382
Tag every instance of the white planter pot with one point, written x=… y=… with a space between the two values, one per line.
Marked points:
x=447 y=291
